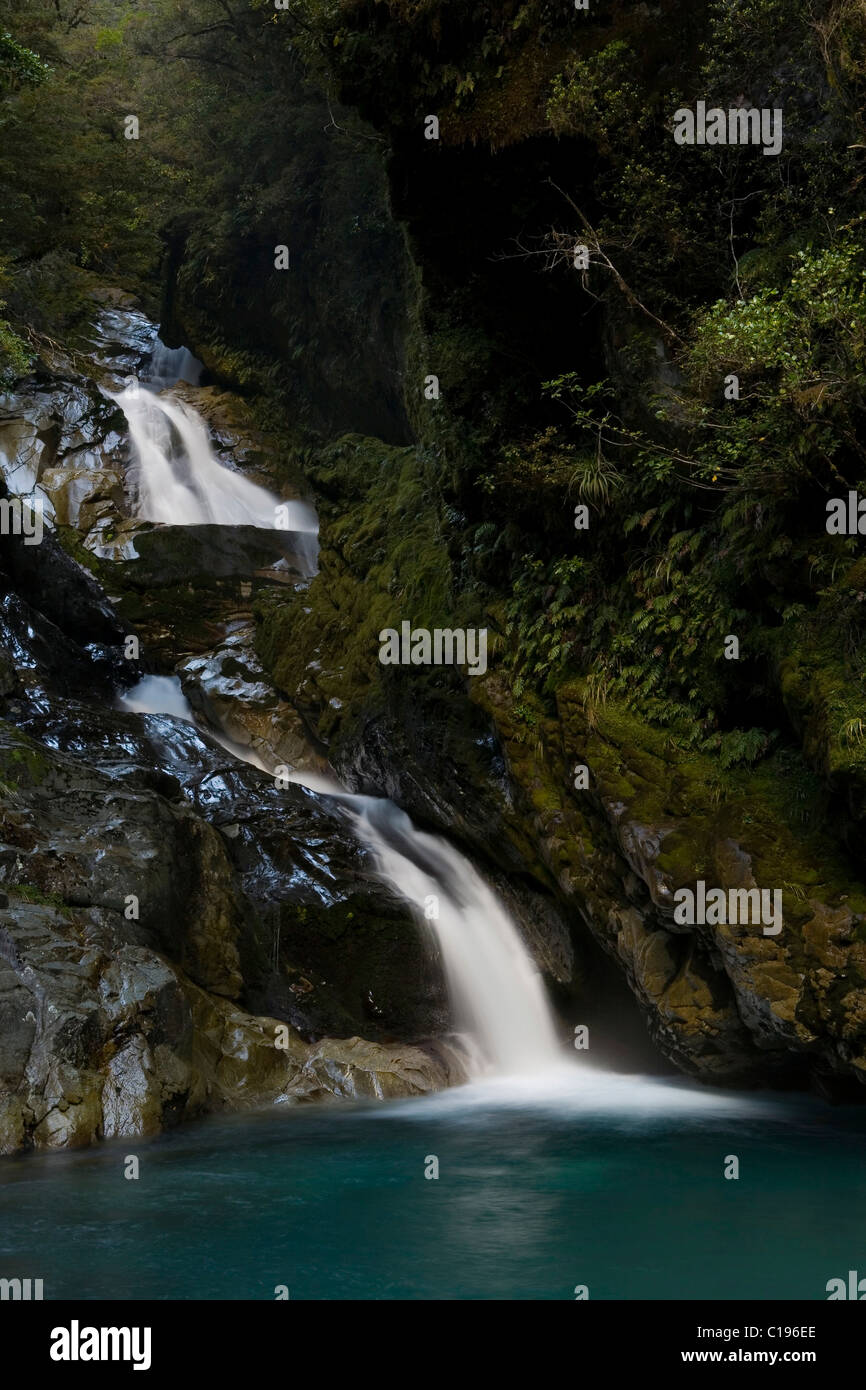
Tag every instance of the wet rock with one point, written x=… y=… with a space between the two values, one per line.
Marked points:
x=116 y=1041
x=692 y=1014
x=9 y=680
x=114 y=297
x=237 y=441
x=228 y=688
x=290 y=888
x=359 y=1070
x=60 y=589
x=41 y=661
x=186 y=585
x=133 y=924
x=84 y=497
x=166 y=908
x=120 y=338
x=170 y=556
x=54 y=432
x=725 y=1003
x=124 y=851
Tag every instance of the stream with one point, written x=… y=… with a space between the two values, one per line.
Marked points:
x=543 y=1174
x=496 y=991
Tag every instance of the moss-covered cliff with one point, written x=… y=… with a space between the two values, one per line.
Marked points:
x=696 y=387
x=706 y=507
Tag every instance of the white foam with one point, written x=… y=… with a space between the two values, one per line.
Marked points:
x=577 y=1088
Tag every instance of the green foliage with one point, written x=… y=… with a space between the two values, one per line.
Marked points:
x=20 y=65
x=808 y=334
x=722 y=514
x=15 y=355
x=29 y=893
x=545 y=617
x=50 y=293
x=706 y=515
x=601 y=98
x=76 y=195
x=743 y=746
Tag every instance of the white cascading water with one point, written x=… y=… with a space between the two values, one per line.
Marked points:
x=496 y=991
x=180 y=481
x=168 y=366
x=163 y=695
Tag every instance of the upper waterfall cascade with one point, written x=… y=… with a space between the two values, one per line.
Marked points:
x=179 y=480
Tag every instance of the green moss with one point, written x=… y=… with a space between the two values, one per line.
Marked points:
x=382 y=561
x=772 y=812
x=767 y=810
x=28 y=893
x=22 y=762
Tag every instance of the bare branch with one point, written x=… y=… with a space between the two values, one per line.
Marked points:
x=204 y=58
x=352 y=134
x=196 y=33
x=597 y=248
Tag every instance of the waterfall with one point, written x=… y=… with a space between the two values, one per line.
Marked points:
x=496 y=991
x=180 y=482
x=158 y=695
x=168 y=366
x=164 y=695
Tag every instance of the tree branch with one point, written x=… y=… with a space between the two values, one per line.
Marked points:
x=196 y=33
x=203 y=58
x=626 y=289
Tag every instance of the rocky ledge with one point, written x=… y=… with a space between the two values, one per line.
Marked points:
x=178 y=933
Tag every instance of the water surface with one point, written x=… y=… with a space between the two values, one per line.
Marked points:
x=544 y=1183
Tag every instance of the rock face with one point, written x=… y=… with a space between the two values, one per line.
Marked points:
x=228 y=687
x=724 y=1003
x=105 y=1038
x=62 y=437
x=330 y=332
x=473 y=528
x=140 y=943
x=177 y=933
x=180 y=933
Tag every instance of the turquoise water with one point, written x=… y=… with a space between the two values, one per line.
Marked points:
x=579 y=1178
